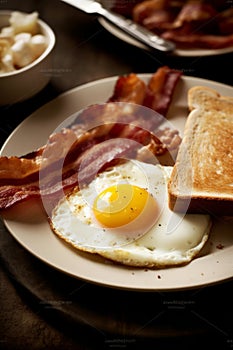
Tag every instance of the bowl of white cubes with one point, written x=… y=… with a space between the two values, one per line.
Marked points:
x=26 y=47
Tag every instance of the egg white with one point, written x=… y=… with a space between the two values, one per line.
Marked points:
x=168 y=240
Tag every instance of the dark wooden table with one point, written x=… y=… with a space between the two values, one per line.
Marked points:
x=43 y=309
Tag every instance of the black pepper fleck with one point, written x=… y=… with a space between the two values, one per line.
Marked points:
x=220 y=246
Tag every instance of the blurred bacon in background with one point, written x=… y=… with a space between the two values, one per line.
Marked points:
x=193 y=23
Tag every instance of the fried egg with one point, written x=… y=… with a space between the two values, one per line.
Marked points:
x=123 y=215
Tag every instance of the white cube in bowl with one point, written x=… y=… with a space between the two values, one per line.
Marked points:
x=28 y=79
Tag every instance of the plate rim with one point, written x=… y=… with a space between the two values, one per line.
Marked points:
x=62 y=96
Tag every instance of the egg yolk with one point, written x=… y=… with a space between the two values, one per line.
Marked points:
x=120 y=204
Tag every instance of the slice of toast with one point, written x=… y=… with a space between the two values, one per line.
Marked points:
x=202 y=178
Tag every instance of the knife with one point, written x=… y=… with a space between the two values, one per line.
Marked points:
x=140 y=33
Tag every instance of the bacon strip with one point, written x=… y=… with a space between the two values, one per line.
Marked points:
x=195 y=24
x=199 y=40
x=65 y=175
x=123 y=7
x=160 y=89
x=100 y=135
x=129 y=88
x=156 y=15
x=156 y=95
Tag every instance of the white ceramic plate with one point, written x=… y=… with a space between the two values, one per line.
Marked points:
x=195 y=52
x=212 y=266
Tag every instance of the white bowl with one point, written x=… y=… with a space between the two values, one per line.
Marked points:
x=25 y=82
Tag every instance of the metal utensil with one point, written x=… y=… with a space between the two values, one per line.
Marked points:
x=138 y=32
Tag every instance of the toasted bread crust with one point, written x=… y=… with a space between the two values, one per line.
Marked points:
x=202 y=178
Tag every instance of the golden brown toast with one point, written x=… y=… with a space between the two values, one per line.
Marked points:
x=202 y=178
